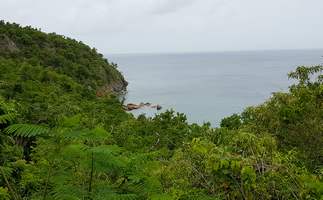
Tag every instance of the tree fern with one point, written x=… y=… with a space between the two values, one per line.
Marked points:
x=6 y=118
x=66 y=192
x=122 y=197
x=105 y=191
x=4 y=194
x=7 y=112
x=26 y=130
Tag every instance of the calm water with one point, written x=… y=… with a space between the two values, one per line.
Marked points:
x=209 y=86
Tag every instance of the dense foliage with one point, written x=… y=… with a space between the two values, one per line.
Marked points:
x=56 y=53
x=59 y=140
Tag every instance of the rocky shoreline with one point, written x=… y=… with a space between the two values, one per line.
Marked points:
x=132 y=106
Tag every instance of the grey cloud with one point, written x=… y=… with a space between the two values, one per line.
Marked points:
x=123 y=26
x=170 y=6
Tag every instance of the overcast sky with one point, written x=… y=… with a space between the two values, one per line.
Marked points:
x=152 y=26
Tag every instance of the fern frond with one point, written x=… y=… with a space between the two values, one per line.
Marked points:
x=27 y=130
x=6 y=170
x=105 y=191
x=6 y=118
x=96 y=135
x=107 y=149
x=4 y=84
x=161 y=197
x=143 y=184
x=108 y=158
x=66 y=192
x=123 y=197
x=74 y=135
x=64 y=187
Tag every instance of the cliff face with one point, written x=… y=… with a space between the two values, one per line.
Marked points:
x=64 y=55
x=116 y=87
x=6 y=45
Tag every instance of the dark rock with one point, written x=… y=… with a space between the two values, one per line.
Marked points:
x=158 y=107
x=117 y=87
x=131 y=106
x=7 y=45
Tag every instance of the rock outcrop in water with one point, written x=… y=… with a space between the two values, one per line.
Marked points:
x=132 y=106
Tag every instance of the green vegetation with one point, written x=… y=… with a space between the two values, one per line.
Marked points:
x=64 y=137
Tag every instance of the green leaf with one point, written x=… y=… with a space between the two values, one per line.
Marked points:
x=27 y=130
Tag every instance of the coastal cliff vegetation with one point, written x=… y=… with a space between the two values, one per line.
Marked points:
x=65 y=135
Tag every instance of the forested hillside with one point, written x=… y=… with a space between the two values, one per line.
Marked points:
x=64 y=134
x=63 y=55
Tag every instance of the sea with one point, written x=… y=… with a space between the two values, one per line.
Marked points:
x=207 y=87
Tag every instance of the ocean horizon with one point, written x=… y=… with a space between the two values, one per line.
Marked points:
x=208 y=86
